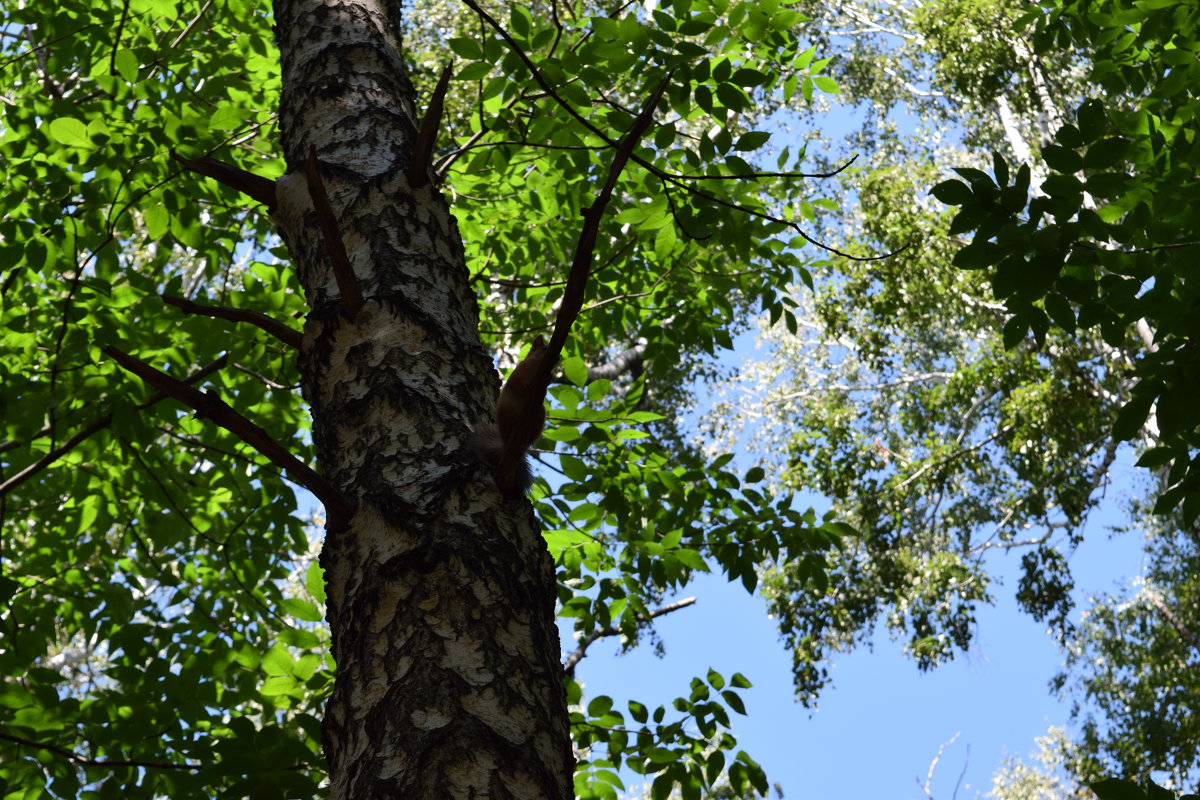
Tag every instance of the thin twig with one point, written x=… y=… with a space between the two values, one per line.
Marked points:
x=92 y=762
x=678 y=180
x=594 y=636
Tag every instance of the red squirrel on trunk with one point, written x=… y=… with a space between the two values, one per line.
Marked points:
x=520 y=416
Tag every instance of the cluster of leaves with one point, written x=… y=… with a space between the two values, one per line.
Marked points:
x=900 y=401
x=692 y=752
x=1109 y=239
x=1117 y=789
x=1131 y=668
x=933 y=441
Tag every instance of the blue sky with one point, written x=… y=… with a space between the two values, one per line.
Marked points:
x=877 y=730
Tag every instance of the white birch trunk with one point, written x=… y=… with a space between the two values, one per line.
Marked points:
x=440 y=595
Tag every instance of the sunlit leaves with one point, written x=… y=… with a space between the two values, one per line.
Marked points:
x=1111 y=205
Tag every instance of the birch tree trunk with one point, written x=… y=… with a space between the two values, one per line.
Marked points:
x=440 y=594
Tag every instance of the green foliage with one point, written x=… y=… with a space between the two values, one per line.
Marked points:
x=1109 y=239
x=1114 y=789
x=670 y=751
x=157 y=572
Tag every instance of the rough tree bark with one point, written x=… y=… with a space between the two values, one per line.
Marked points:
x=440 y=594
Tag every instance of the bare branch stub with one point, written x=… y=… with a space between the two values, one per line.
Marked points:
x=343 y=272
x=422 y=152
x=577 y=655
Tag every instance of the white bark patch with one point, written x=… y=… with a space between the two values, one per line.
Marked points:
x=515 y=638
x=429 y=719
x=472 y=773
x=513 y=723
x=389 y=600
x=466 y=658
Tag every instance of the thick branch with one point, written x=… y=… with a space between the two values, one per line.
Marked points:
x=256 y=186
x=97 y=425
x=581 y=266
x=283 y=333
x=208 y=404
x=594 y=636
x=343 y=272
x=585 y=246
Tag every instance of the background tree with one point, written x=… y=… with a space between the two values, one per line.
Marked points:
x=161 y=606
x=908 y=393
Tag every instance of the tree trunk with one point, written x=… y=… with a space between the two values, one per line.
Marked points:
x=440 y=594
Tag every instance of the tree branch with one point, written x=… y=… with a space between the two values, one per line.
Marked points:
x=343 y=272
x=98 y=425
x=422 y=152
x=91 y=762
x=594 y=636
x=209 y=405
x=255 y=186
x=1155 y=599
x=289 y=336
x=620 y=364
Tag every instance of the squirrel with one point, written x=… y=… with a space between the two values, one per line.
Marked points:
x=520 y=415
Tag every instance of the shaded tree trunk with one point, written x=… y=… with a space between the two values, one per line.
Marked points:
x=440 y=594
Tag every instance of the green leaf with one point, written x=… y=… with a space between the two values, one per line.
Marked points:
x=1015 y=330
x=1133 y=414
x=1062 y=159
x=1114 y=789
x=69 y=131
x=467 y=47
x=746 y=76
x=314 y=581
x=827 y=84
x=1000 y=169
x=126 y=64
x=1157 y=457
x=576 y=370
x=953 y=193
x=302 y=610
x=978 y=255
x=1106 y=153
x=1092 y=120
x=734 y=701
x=1062 y=186
x=752 y=140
